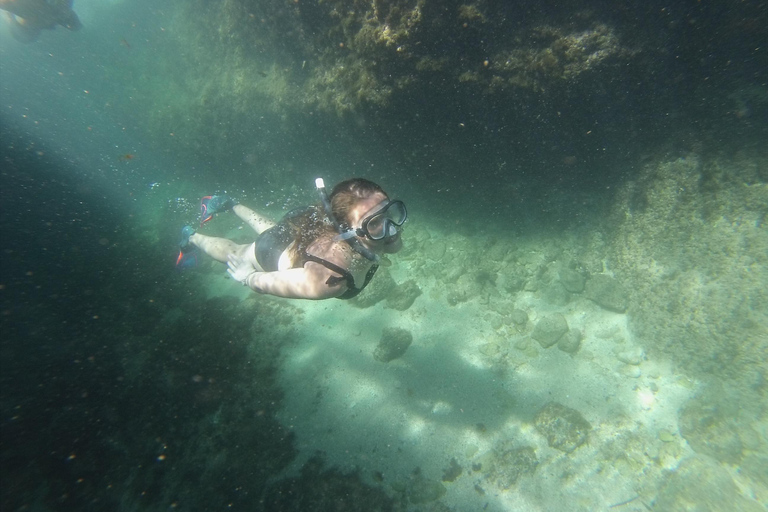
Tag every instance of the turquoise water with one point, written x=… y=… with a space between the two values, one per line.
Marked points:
x=583 y=282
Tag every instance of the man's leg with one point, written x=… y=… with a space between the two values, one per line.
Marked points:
x=258 y=223
x=217 y=248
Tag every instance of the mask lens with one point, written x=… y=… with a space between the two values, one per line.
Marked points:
x=396 y=212
x=376 y=228
x=382 y=223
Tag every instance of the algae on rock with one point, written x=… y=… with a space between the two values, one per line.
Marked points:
x=393 y=344
x=508 y=465
x=565 y=428
x=699 y=483
x=404 y=295
x=607 y=292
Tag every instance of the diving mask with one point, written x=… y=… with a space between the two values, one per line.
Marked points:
x=384 y=221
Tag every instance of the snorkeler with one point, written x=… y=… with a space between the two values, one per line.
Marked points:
x=328 y=250
x=28 y=18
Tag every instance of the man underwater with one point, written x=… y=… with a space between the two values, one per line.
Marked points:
x=327 y=250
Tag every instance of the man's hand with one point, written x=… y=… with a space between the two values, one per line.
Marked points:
x=240 y=268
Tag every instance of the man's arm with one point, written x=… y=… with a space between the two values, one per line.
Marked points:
x=296 y=283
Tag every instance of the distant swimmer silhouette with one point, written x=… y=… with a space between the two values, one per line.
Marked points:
x=327 y=250
x=28 y=18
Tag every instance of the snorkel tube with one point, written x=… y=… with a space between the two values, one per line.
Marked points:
x=348 y=235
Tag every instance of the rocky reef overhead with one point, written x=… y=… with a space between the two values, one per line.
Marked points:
x=340 y=55
x=248 y=73
x=431 y=84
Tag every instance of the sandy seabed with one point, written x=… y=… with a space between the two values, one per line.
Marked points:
x=452 y=402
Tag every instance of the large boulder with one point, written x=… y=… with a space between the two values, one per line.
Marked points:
x=550 y=329
x=607 y=292
x=572 y=281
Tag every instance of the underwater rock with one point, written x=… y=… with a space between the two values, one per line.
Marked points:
x=501 y=306
x=497 y=251
x=607 y=292
x=572 y=280
x=666 y=436
x=527 y=347
x=565 y=428
x=523 y=344
x=699 y=483
x=422 y=490
x=514 y=283
x=556 y=294
x=393 y=344
x=549 y=330
x=631 y=371
x=435 y=250
x=490 y=349
x=531 y=285
x=404 y=295
x=467 y=287
x=452 y=472
x=570 y=342
x=509 y=465
x=710 y=431
x=632 y=356
x=473 y=284
x=519 y=317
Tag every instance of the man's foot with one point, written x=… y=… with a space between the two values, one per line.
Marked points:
x=187 y=252
x=187 y=260
x=186 y=232
x=210 y=205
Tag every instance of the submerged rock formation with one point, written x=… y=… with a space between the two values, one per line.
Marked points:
x=393 y=344
x=565 y=428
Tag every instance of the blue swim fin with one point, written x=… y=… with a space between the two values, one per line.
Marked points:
x=187 y=253
x=206 y=213
x=187 y=260
x=210 y=205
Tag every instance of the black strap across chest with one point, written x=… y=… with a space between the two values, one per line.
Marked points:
x=346 y=276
